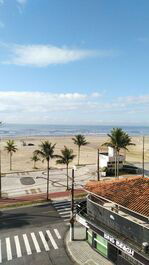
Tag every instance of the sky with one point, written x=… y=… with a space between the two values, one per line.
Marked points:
x=74 y=62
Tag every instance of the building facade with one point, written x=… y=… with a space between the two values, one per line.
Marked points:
x=108 y=159
x=115 y=231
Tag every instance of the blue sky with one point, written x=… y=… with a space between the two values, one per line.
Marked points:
x=74 y=62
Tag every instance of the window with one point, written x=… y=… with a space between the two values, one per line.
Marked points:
x=89 y=236
x=101 y=245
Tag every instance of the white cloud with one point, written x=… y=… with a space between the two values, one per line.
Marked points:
x=45 y=107
x=44 y=55
x=38 y=106
x=135 y=100
x=96 y=95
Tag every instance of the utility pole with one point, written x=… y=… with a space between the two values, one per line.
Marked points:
x=0 y=167
x=98 y=175
x=143 y=158
x=0 y=172
x=72 y=208
x=115 y=156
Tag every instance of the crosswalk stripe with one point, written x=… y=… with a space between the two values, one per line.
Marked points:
x=66 y=215
x=8 y=249
x=57 y=233
x=52 y=239
x=26 y=242
x=0 y=253
x=18 y=248
x=35 y=243
x=64 y=212
x=63 y=209
x=44 y=241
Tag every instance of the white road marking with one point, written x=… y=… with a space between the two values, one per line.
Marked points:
x=65 y=215
x=35 y=243
x=44 y=241
x=8 y=249
x=65 y=209
x=66 y=212
x=52 y=239
x=26 y=242
x=18 y=248
x=0 y=253
x=57 y=233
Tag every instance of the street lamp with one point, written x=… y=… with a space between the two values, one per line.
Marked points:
x=143 y=158
x=98 y=174
x=72 y=207
x=0 y=172
x=0 y=168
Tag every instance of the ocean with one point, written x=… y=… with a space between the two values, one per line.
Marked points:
x=14 y=130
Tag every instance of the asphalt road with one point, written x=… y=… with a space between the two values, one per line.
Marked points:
x=32 y=236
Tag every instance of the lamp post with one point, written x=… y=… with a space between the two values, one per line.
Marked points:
x=98 y=174
x=72 y=207
x=0 y=166
x=0 y=172
x=143 y=158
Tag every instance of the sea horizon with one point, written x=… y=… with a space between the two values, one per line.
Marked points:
x=24 y=130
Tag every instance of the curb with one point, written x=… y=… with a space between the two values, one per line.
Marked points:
x=69 y=253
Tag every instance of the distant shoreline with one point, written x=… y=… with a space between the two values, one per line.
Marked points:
x=23 y=131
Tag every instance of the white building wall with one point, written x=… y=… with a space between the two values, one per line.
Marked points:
x=103 y=160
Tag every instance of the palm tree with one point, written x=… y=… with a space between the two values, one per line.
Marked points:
x=35 y=159
x=10 y=148
x=79 y=140
x=46 y=151
x=65 y=158
x=118 y=140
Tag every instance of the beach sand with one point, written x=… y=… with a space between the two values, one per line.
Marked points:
x=22 y=158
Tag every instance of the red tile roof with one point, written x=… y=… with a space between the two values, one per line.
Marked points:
x=132 y=193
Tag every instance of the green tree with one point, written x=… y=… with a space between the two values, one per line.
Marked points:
x=65 y=158
x=119 y=139
x=79 y=140
x=46 y=152
x=35 y=159
x=11 y=148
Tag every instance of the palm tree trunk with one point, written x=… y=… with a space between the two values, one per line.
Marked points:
x=67 y=178
x=10 y=161
x=47 y=180
x=78 y=155
x=34 y=164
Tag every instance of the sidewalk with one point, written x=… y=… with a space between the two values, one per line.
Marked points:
x=81 y=252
